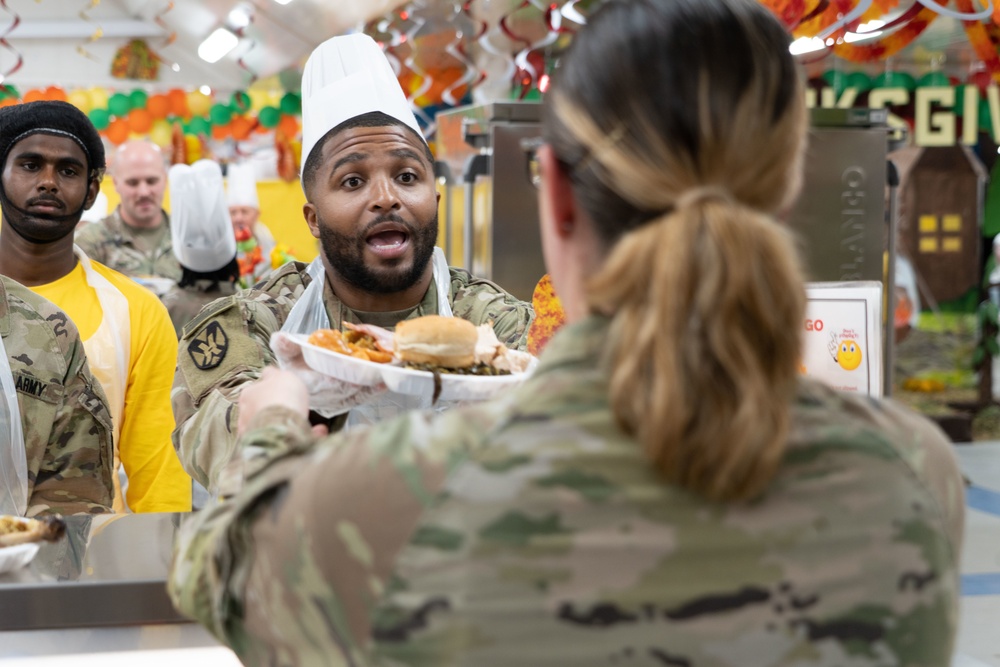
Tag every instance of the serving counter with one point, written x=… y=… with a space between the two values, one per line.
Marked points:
x=99 y=590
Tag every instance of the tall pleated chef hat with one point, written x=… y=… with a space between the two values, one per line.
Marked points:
x=241 y=186
x=200 y=227
x=346 y=77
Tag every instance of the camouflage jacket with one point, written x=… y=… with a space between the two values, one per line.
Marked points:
x=228 y=345
x=184 y=303
x=112 y=243
x=532 y=531
x=64 y=414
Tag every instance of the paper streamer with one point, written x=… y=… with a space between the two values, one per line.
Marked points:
x=918 y=19
x=241 y=61
x=472 y=76
x=399 y=39
x=171 y=37
x=15 y=21
x=569 y=11
x=983 y=44
x=522 y=59
x=96 y=35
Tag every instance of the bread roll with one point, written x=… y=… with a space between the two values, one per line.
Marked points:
x=449 y=342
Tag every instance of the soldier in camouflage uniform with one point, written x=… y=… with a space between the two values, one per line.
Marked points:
x=64 y=416
x=135 y=238
x=376 y=217
x=665 y=489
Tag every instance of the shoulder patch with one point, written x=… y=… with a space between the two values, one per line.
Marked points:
x=208 y=348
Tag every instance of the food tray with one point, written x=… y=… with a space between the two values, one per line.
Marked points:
x=17 y=556
x=407 y=380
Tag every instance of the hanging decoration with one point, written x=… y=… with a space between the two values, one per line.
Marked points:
x=96 y=35
x=171 y=36
x=18 y=58
x=137 y=61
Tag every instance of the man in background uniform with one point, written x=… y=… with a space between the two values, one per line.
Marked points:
x=255 y=240
x=64 y=419
x=203 y=241
x=368 y=178
x=135 y=239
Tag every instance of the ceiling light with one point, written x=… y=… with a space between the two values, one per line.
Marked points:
x=282 y=2
x=805 y=45
x=238 y=18
x=216 y=45
x=205 y=90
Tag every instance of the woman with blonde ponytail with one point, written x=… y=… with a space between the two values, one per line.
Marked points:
x=665 y=489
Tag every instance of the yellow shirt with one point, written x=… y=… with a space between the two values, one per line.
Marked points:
x=156 y=480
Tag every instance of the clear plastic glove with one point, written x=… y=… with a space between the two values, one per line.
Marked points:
x=328 y=396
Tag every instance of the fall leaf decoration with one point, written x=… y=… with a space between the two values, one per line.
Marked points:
x=136 y=60
x=288 y=169
x=549 y=315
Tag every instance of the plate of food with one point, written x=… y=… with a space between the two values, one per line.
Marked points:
x=20 y=538
x=446 y=358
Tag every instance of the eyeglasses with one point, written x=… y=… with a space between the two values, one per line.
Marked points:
x=530 y=147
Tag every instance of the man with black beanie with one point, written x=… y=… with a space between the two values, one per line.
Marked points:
x=52 y=161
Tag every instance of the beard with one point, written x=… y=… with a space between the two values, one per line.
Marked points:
x=38 y=228
x=346 y=253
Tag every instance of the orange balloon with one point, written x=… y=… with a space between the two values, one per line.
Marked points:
x=34 y=95
x=178 y=103
x=242 y=127
x=8 y=102
x=118 y=131
x=55 y=93
x=158 y=106
x=222 y=131
x=289 y=126
x=140 y=120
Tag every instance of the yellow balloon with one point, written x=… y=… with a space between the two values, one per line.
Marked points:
x=80 y=99
x=160 y=133
x=199 y=103
x=274 y=98
x=98 y=98
x=193 y=148
x=258 y=99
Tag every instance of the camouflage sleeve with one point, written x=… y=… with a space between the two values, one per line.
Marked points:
x=75 y=475
x=90 y=238
x=289 y=571
x=481 y=301
x=225 y=347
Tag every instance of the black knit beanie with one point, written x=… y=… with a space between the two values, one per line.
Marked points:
x=61 y=119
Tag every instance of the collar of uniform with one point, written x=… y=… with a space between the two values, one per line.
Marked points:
x=122 y=232
x=4 y=310
x=339 y=313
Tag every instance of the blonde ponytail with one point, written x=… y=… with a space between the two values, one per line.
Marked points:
x=705 y=342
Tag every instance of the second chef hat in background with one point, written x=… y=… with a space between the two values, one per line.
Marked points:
x=241 y=186
x=202 y=233
x=346 y=77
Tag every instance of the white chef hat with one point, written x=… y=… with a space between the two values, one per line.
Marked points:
x=241 y=186
x=346 y=77
x=200 y=227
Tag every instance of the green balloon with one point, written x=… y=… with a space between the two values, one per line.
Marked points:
x=291 y=104
x=859 y=80
x=220 y=114
x=9 y=91
x=199 y=125
x=100 y=118
x=269 y=117
x=895 y=80
x=240 y=102
x=118 y=105
x=836 y=80
x=934 y=79
x=137 y=99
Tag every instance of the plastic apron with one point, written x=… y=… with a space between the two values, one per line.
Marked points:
x=108 y=352
x=309 y=313
x=13 y=458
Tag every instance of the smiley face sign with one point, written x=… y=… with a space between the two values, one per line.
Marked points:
x=849 y=354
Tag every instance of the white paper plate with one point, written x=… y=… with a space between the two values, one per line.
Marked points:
x=16 y=557
x=401 y=380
